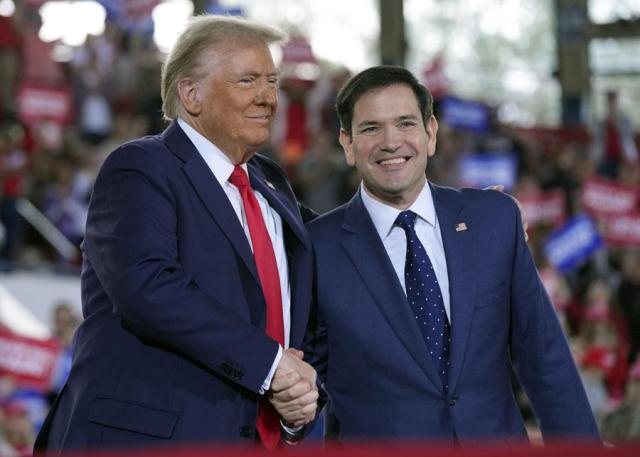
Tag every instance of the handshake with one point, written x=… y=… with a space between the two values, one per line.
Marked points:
x=294 y=392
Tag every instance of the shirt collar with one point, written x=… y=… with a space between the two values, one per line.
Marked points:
x=384 y=216
x=217 y=160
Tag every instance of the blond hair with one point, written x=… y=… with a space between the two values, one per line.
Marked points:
x=201 y=35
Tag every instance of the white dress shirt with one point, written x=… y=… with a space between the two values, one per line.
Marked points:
x=394 y=238
x=222 y=167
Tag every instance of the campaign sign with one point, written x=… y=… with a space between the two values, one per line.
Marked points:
x=27 y=360
x=544 y=208
x=37 y=104
x=623 y=230
x=603 y=197
x=34 y=4
x=571 y=245
x=214 y=8
x=435 y=79
x=482 y=170
x=131 y=14
x=465 y=114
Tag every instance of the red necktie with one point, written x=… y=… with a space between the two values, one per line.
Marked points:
x=268 y=424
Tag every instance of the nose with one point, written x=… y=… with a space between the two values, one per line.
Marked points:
x=267 y=94
x=391 y=140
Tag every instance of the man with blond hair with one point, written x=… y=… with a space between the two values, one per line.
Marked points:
x=197 y=275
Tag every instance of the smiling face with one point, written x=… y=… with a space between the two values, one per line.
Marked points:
x=234 y=105
x=390 y=144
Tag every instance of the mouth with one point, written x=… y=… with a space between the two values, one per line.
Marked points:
x=264 y=118
x=392 y=163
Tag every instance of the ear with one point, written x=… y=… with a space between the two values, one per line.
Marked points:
x=190 y=96
x=347 y=145
x=432 y=133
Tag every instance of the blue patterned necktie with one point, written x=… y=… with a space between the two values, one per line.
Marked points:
x=425 y=298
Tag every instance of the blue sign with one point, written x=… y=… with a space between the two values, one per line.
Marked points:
x=465 y=115
x=483 y=170
x=214 y=7
x=573 y=244
x=133 y=16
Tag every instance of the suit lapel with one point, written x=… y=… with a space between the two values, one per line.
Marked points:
x=283 y=205
x=296 y=245
x=366 y=251
x=217 y=203
x=210 y=193
x=458 y=248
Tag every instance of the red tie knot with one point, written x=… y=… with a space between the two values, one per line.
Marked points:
x=239 y=177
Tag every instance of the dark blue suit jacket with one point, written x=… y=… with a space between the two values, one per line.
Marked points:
x=367 y=348
x=173 y=347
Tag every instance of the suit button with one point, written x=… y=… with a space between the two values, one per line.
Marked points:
x=245 y=431
x=453 y=400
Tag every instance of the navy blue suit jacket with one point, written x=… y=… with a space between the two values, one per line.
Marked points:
x=173 y=348
x=368 y=351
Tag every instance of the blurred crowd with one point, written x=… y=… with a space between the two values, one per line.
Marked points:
x=112 y=85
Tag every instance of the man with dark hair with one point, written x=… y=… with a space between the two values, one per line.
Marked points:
x=427 y=297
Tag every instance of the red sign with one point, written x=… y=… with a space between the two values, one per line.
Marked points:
x=544 y=208
x=554 y=139
x=624 y=230
x=603 y=197
x=435 y=79
x=37 y=104
x=29 y=361
x=35 y=4
x=297 y=50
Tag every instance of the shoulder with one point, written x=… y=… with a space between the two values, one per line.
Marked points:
x=148 y=150
x=482 y=202
x=495 y=214
x=327 y=223
x=147 y=156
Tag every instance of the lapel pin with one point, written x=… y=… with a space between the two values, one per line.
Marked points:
x=269 y=185
x=461 y=227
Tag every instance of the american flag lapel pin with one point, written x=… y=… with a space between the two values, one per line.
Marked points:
x=461 y=227
x=269 y=185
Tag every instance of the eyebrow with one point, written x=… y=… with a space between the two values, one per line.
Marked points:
x=256 y=74
x=404 y=117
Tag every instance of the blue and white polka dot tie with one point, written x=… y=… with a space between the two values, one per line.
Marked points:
x=425 y=298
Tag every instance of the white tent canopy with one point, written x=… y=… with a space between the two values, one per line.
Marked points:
x=27 y=300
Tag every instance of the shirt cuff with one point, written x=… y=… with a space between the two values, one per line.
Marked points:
x=292 y=436
x=291 y=430
x=266 y=385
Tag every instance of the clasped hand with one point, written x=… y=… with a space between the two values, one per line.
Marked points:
x=294 y=392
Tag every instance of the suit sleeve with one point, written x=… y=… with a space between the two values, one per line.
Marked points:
x=540 y=353
x=315 y=344
x=131 y=243
x=316 y=348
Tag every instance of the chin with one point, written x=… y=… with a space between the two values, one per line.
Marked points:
x=258 y=139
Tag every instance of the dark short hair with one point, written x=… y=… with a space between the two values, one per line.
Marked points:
x=376 y=78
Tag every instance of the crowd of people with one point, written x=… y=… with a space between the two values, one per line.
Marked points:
x=113 y=81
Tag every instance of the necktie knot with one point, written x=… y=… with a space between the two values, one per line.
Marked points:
x=406 y=220
x=239 y=177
